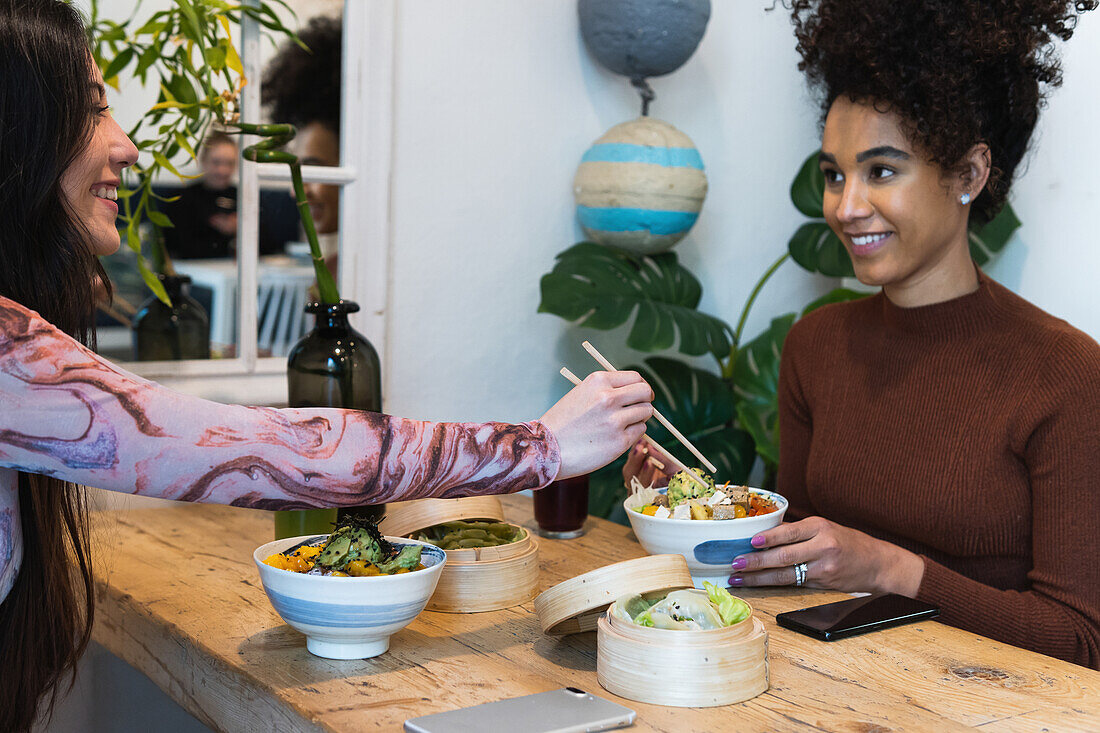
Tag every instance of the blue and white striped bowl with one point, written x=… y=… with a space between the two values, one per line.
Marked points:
x=708 y=545
x=348 y=618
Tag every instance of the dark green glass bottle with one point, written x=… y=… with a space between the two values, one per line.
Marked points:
x=171 y=333
x=331 y=366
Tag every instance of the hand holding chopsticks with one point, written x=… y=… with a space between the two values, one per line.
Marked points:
x=669 y=459
x=660 y=418
x=597 y=421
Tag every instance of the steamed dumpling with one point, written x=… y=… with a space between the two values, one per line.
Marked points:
x=682 y=609
x=628 y=608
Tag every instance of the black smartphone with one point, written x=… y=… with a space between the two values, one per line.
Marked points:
x=838 y=620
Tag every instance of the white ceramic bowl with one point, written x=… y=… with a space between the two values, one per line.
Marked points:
x=708 y=545
x=348 y=618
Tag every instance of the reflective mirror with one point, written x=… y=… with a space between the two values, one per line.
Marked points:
x=204 y=213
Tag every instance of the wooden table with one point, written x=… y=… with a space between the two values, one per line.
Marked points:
x=180 y=600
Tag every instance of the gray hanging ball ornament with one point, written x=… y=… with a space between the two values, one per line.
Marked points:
x=643 y=38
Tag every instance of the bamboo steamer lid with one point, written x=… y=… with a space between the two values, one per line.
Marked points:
x=405 y=517
x=574 y=605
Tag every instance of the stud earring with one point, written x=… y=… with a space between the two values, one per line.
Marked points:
x=964 y=199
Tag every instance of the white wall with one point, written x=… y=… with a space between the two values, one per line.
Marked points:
x=1055 y=261
x=496 y=104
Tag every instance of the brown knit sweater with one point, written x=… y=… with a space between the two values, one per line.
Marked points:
x=969 y=433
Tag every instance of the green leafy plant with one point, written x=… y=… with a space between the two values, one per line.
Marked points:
x=731 y=415
x=187 y=51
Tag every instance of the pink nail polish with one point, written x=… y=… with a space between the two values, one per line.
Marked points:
x=758 y=541
x=740 y=563
x=736 y=581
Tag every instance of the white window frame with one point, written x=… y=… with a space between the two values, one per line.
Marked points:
x=364 y=174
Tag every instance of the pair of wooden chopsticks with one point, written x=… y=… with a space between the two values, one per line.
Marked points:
x=654 y=445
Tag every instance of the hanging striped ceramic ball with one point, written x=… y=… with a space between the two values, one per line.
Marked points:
x=640 y=187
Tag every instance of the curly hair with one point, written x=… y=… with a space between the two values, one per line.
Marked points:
x=958 y=72
x=301 y=86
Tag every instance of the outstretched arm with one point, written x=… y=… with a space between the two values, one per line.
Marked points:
x=68 y=413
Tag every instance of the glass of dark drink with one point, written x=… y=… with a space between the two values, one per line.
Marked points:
x=562 y=507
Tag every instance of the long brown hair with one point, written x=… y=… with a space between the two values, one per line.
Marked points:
x=46 y=115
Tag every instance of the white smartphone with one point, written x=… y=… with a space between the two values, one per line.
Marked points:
x=567 y=710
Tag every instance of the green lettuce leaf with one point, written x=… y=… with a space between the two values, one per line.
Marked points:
x=644 y=618
x=732 y=610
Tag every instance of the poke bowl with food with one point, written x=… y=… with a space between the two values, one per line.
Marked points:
x=348 y=592
x=709 y=525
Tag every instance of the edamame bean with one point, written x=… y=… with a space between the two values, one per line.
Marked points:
x=467 y=534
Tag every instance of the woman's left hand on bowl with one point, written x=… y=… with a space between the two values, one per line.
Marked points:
x=644 y=467
x=836 y=558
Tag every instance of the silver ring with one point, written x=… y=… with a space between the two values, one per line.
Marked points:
x=800 y=571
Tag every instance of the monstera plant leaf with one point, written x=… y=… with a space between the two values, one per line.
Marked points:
x=815 y=248
x=987 y=242
x=756 y=386
x=601 y=287
x=700 y=405
x=808 y=188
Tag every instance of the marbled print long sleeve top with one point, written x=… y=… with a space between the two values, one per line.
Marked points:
x=68 y=413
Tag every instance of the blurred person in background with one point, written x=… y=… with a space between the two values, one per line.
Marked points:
x=302 y=88
x=204 y=216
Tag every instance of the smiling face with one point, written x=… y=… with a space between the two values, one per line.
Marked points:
x=898 y=215
x=219 y=165
x=89 y=186
x=318 y=144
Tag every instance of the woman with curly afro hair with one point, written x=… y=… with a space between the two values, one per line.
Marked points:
x=302 y=87
x=941 y=438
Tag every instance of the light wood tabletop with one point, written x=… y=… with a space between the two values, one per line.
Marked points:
x=179 y=598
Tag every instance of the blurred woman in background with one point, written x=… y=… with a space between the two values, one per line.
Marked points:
x=302 y=88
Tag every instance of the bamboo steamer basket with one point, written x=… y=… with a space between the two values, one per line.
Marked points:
x=574 y=605
x=682 y=668
x=475 y=579
x=488 y=585
x=659 y=666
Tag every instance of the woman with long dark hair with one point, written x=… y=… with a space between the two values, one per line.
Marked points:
x=941 y=438
x=68 y=417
